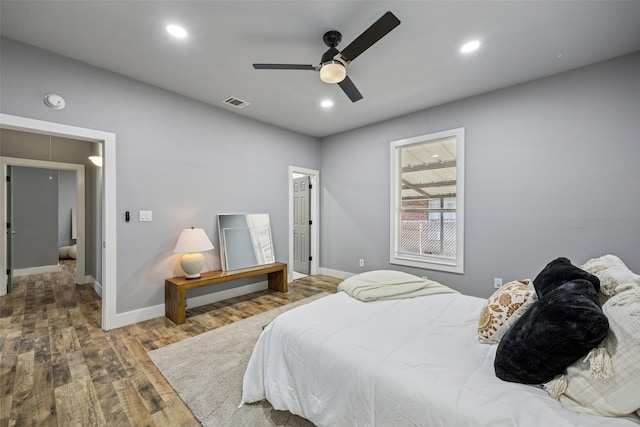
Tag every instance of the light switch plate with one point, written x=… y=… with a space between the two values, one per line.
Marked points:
x=145 y=216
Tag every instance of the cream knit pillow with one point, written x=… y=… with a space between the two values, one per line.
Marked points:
x=607 y=381
x=612 y=272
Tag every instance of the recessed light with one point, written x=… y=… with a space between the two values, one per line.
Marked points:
x=176 y=31
x=435 y=156
x=470 y=46
x=327 y=103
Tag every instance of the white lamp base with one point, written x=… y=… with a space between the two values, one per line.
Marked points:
x=192 y=264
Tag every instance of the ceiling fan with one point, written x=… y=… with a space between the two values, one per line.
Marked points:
x=333 y=65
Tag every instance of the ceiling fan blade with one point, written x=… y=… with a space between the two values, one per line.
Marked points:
x=350 y=89
x=284 y=67
x=370 y=36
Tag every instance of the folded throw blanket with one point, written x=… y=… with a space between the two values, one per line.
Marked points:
x=388 y=284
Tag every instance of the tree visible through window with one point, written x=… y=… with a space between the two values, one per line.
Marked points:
x=427 y=199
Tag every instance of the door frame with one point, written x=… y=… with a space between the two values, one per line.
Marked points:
x=110 y=319
x=314 y=180
x=80 y=204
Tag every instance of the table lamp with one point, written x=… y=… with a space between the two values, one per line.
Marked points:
x=191 y=242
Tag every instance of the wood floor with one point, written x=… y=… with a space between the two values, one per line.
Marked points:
x=58 y=368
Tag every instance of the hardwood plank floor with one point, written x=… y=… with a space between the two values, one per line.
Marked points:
x=58 y=368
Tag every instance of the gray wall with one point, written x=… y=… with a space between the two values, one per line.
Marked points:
x=552 y=169
x=35 y=217
x=183 y=160
x=41 y=211
x=66 y=201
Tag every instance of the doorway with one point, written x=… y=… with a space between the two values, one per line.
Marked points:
x=301 y=225
x=45 y=209
x=107 y=277
x=303 y=222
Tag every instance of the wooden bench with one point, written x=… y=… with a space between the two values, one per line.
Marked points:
x=175 y=289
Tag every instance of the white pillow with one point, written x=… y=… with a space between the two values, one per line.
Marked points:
x=63 y=252
x=73 y=251
x=618 y=393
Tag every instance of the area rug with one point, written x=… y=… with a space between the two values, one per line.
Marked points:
x=207 y=370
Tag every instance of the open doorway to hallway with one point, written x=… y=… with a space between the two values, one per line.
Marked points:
x=35 y=160
x=103 y=206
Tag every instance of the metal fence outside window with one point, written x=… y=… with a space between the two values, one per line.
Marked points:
x=428 y=237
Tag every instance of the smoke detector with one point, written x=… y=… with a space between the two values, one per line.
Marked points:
x=54 y=101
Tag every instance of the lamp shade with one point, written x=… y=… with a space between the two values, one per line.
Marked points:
x=193 y=240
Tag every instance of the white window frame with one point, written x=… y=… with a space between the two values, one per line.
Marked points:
x=430 y=262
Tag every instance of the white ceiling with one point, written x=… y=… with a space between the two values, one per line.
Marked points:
x=416 y=66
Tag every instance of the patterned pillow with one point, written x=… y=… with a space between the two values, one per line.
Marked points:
x=505 y=306
x=607 y=381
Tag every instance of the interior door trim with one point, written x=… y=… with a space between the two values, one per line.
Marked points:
x=110 y=318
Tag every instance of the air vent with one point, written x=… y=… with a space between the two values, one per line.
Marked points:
x=238 y=103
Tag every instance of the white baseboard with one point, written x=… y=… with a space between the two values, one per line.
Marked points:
x=335 y=273
x=135 y=316
x=36 y=270
x=140 y=315
x=90 y=280
x=96 y=285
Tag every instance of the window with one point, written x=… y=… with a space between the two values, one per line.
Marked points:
x=427 y=201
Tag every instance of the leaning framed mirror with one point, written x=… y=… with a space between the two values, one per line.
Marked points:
x=245 y=240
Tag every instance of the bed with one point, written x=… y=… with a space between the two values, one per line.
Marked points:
x=417 y=361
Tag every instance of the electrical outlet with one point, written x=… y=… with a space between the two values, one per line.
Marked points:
x=361 y=262
x=497 y=282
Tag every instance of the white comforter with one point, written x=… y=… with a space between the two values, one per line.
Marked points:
x=411 y=362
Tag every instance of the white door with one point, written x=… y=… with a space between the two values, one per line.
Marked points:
x=301 y=225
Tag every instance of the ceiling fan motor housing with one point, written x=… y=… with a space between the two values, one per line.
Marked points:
x=329 y=55
x=332 y=38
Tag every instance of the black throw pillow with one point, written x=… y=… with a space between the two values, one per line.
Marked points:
x=560 y=271
x=563 y=326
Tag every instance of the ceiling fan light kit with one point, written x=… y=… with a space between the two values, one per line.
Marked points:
x=333 y=72
x=333 y=65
